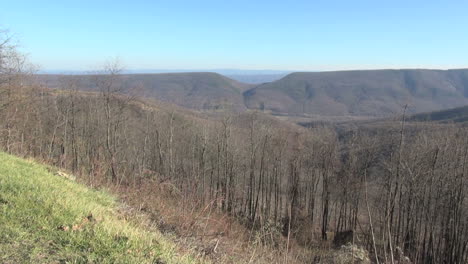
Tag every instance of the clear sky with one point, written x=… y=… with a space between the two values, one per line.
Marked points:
x=242 y=34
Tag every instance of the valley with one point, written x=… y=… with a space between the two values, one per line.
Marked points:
x=226 y=166
x=315 y=95
x=251 y=181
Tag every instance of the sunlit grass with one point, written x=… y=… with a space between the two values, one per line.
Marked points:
x=46 y=218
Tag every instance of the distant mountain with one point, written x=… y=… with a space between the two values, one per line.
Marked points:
x=369 y=93
x=456 y=115
x=200 y=91
x=361 y=93
x=226 y=72
x=256 y=79
x=245 y=76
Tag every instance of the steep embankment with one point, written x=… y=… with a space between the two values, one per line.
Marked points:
x=361 y=93
x=46 y=217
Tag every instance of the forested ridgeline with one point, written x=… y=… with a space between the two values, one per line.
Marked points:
x=404 y=187
x=400 y=187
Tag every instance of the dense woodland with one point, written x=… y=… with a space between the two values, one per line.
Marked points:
x=396 y=185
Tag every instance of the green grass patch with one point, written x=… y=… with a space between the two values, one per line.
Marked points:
x=46 y=218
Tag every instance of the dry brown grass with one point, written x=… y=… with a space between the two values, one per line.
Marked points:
x=211 y=234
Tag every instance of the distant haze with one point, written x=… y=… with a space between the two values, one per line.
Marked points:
x=220 y=71
x=245 y=76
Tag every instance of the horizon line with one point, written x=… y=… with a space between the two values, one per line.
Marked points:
x=232 y=71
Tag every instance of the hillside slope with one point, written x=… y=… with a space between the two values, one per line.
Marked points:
x=47 y=218
x=457 y=115
x=200 y=90
x=361 y=93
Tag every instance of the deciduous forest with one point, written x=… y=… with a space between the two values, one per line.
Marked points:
x=396 y=187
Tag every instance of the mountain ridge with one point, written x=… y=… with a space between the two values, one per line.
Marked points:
x=371 y=93
x=361 y=92
x=194 y=90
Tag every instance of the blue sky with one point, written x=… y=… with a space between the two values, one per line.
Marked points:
x=209 y=34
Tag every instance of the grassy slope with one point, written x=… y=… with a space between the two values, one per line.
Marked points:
x=45 y=218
